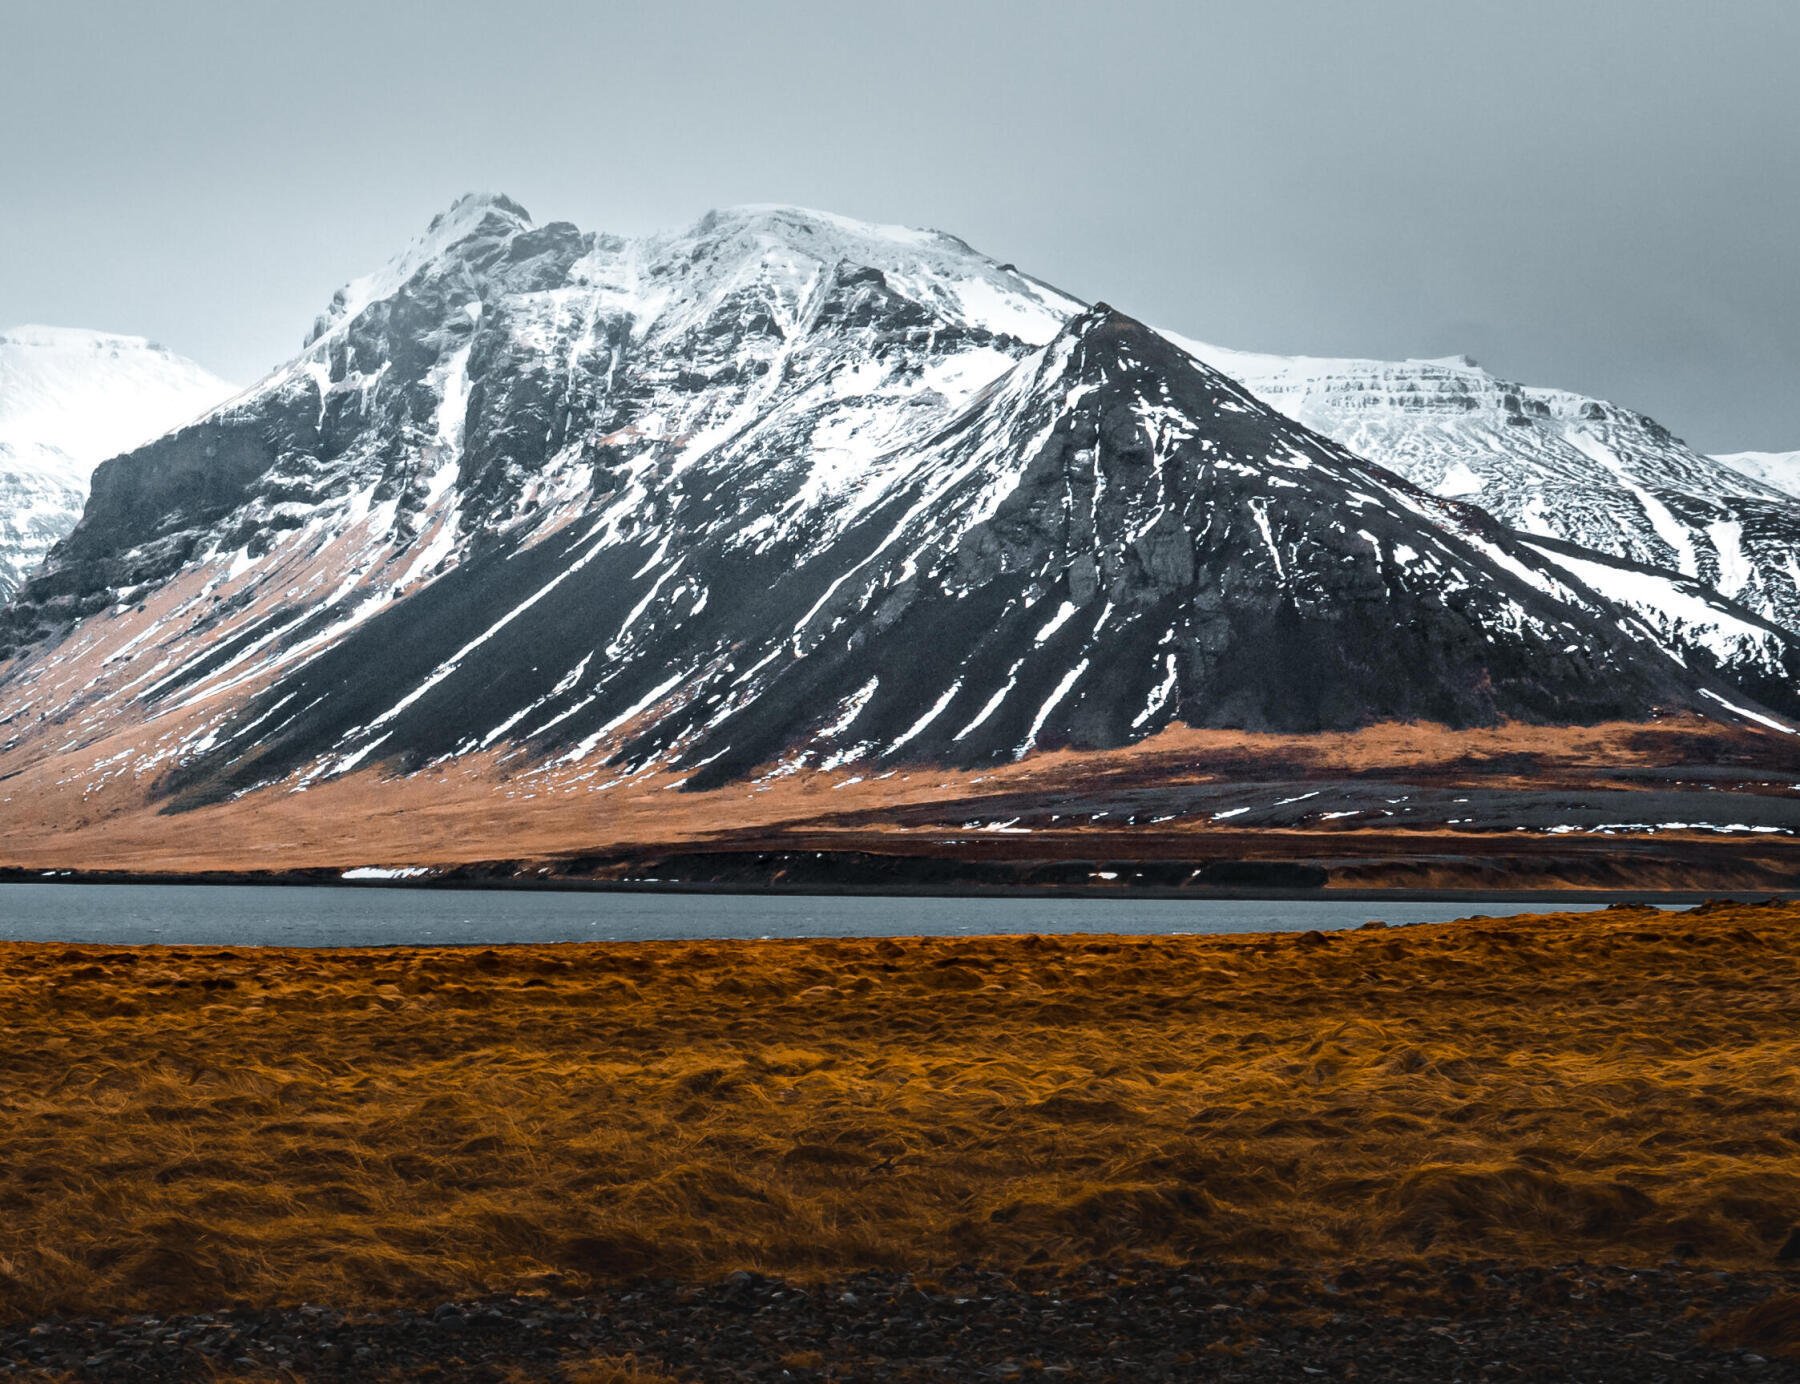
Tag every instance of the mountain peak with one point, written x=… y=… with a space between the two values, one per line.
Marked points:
x=1100 y=336
x=777 y=490
x=807 y=220
x=474 y=204
x=1115 y=342
x=476 y=218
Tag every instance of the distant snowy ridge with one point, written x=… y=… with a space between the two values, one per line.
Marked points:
x=69 y=399
x=1551 y=463
x=78 y=397
x=1777 y=470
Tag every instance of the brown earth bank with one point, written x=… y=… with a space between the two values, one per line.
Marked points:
x=1406 y=1110
x=1677 y=805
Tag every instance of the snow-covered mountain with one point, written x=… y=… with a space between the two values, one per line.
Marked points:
x=38 y=505
x=1559 y=465
x=1776 y=470
x=68 y=400
x=782 y=490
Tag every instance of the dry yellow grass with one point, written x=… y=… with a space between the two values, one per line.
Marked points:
x=185 y=1127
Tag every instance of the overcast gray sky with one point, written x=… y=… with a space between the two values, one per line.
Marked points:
x=1602 y=196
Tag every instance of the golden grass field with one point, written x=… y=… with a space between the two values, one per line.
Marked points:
x=182 y=1127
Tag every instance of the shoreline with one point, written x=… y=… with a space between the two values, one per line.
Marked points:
x=461 y=879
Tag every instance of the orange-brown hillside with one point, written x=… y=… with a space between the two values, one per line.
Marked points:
x=181 y=1127
x=1679 y=804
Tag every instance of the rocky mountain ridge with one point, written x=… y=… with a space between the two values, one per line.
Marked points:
x=1565 y=467
x=785 y=492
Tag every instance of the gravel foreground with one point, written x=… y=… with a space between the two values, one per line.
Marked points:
x=1430 y=1323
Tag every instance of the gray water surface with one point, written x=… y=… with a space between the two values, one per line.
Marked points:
x=321 y=916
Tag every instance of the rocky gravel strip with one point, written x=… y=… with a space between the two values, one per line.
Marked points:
x=1434 y=1324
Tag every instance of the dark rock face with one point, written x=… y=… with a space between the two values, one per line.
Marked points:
x=1150 y=564
x=787 y=490
x=177 y=484
x=1048 y=574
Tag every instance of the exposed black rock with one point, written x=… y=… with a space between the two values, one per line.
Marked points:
x=788 y=491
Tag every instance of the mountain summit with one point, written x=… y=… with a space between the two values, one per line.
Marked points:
x=780 y=491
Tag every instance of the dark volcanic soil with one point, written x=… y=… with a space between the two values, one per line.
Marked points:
x=1431 y=1323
